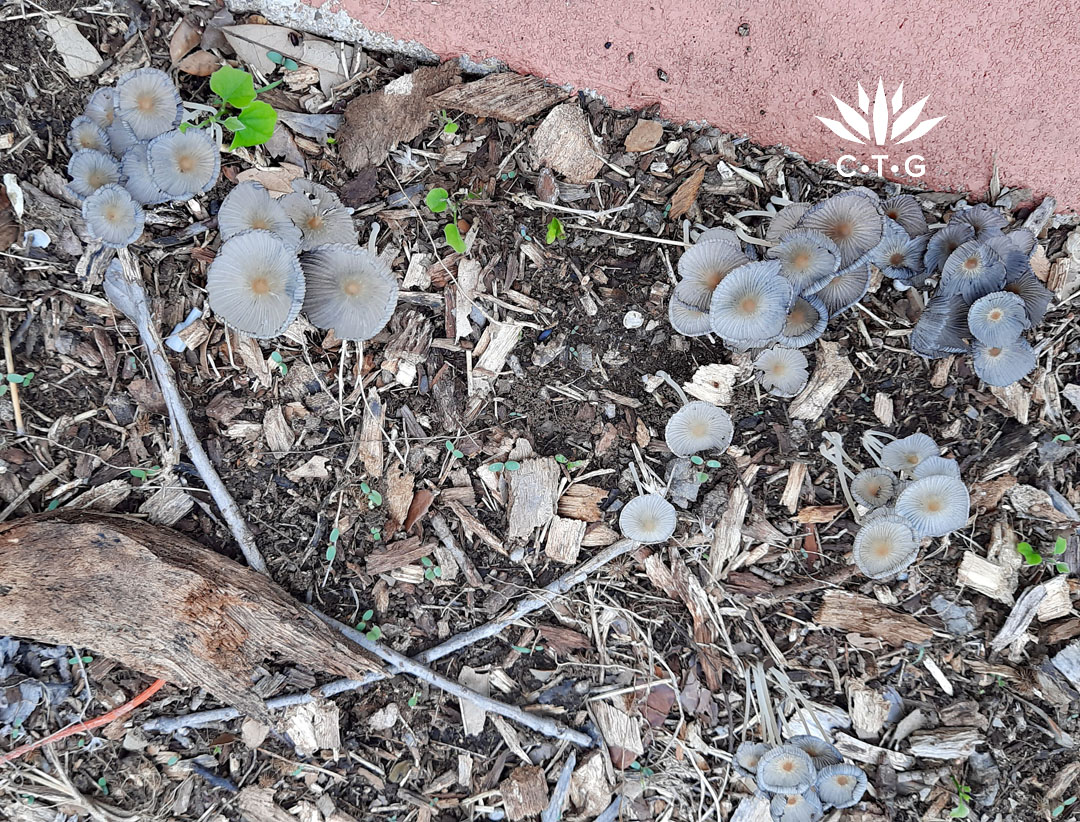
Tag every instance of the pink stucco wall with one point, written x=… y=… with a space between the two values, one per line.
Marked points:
x=1005 y=75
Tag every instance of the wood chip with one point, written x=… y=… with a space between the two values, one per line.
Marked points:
x=532 y=493
x=1015 y=399
x=167 y=506
x=396 y=555
x=817 y=514
x=590 y=789
x=257 y=805
x=869 y=710
x=883 y=408
x=564 y=539
x=314 y=468
x=472 y=526
x=104 y=497
x=279 y=437
x=727 y=536
x=565 y=142
x=582 y=502
x=845 y=611
x=945 y=743
x=644 y=136
x=399 y=492
x=988 y=495
x=713 y=383
x=989 y=578
x=1067 y=661
x=78 y=54
x=314 y=726
x=473 y=717
x=832 y=373
x=524 y=792
x=505 y=96
x=1034 y=503
x=860 y=751
x=618 y=728
x=1058 y=602
x=684 y=197
x=1019 y=618
x=793 y=489
x=370 y=444
x=938 y=675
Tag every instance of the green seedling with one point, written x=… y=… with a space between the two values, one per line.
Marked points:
x=1060 y=809
x=86 y=660
x=16 y=379
x=963 y=801
x=509 y=465
x=438 y=200
x=251 y=121
x=145 y=473
x=645 y=772
x=374 y=498
x=555 y=230
x=103 y=786
x=701 y=462
x=331 y=549
x=454 y=452
x=279 y=59
x=432 y=571
x=1062 y=438
x=1033 y=557
x=275 y=358
x=570 y=464
x=521 y=649
x=367 y=627
x=414 y=700
x=376 y=533
x=449 y=126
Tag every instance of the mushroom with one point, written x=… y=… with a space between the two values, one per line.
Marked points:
x=904 y=454
x=796 y=807
x=944 y=242
x=746 y=757
x=249 y=206
x=688 y=318
x=147 y=100
x=719 y=234
x=1013 y=250
x=885 y=546
x=101 y=107
x=349 y=289
x=184 y=163
x=786 y=769
x=647 y=519
x=751 y=303
x=113 y=216
x=698 y=426
x=852 y=219
x=121 y=139
x=937 y=466
x=906 y=211
x=844 y=289
x=874 y=487
x=86 y=134
x=934 y=506
x=808 y=259
x=997 y=318
x=805 y=323
x=784 y=371
x=137 y=178
x=986 y=220
x=972 y=271
x=704 y=265
x=901 y=257
x=1030 y=289
x=1002 y=365
x=256 y=284
x=841 y=786
x=89 y=170
x=822 y=753
x=785 y=220
x=319 y=214
x=941 y=328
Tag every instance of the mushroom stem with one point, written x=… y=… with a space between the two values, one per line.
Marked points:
x=835 y=455
x=871 y=441
x=666 y=377
x=372 y=237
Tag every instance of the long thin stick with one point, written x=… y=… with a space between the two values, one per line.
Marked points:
x=16 y=406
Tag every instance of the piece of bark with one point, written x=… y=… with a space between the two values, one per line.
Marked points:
x=599 y=535
x=869 y=710
x=524 y=792
x=495 y=345
x=987 y=495
x=102 y=498
x=1058 y=602
x=832 y=373
x=471 y=525
x=532 y=492
x=883 y=408
x=793 y=489
x=582 y=501
x=1034 y=503
x=397 y=555
x=279 y=437
x=860 y=751
x=945 y=743
x=989 y=578
x=565 y=142
x=473 y=717
x=159 y=603
x=713 y=383
x=564 y=539
x=1019 y=617
x=618 y=728
x=727 y=537
x=754 y=808
x=314 y=727
x=683 y=198
x=817 y=514
x=257 y=805
x=370 y=444
x=167 y=506
x=504 y=96
x=590 y=790
x=376 y=122
x=847 y=612
x=1067 y=661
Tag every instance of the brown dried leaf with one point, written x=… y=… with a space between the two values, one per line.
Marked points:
x=200 y=64
x=644 y=136
x=421 y=502
x=683 y=199
x=184 y=39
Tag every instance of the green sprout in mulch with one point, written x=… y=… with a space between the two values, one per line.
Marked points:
x=250 y=120
x=367 y=627
x=1033 y=557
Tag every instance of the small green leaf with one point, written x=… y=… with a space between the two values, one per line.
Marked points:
x=1033 y=559
x=437 y=200
x=235 y=87
x=1062 y=438
x=3 y=389
x=331 y=551
x=290 y=64
x=1061 y=567
x=457 y=454
x=259 y=119
x=233 y=124
x=560 y=458
x=365 y=488
x=1060 y=545
x=426 y=562
x=429 y=575
x=334 y=535
x=138 y=473
x=413 y=700
x=495 y=467
x=15 y=378
x=453 y=238
x=29 y=375
x=173 y=760
x=101 y=783
x=275 y=57
x=555 y=230
x=437 y=570
x=375 y=498
x=697 y=460
x=449 y=445
x=712 y=464
x=702 y=476
x=368 y=614
x=521 y=650
x=374 y=633
x=1023 y=547
x=276 y=357
x=52 y=506
x=451 y=128
x=512 y=465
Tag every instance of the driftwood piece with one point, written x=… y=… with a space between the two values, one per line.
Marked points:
x=533 y=490
x=565 y=142
x=524 y=792
x=180 y=612
x=860 y=751
x=728 y=535
x=582 y=501
x=564 y=540
x=505 y=96
x=852 y=612
x=833 y=372
x=945 y=743
x=397 y=555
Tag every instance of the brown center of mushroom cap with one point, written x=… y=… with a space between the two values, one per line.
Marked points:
x=314 y=222
x=699 y=428
x=971 y=263
x=843 y=780
x=186 y=163
x=96 y=179
x=353 y=287
x=260 y=285
x=145 y=102
x=897 y=258
x=713 y=278
x=934 y=506
x=648 y=524
x=841 y=231
x=109 y=113
x=260 y=223
x=111 y=213
x=798 y=316
x=874 y=488
x=994 y=352
x=794 y=799
x=748 y=305
x=881 y=548
x=912 y=459
x=788 y=765
x=779 y=369
x=1013 y=288
x=996 y=315
x=892 y=213
x=801 y=260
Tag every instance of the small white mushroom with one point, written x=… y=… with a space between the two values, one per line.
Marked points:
x=935 y=505
x=784 y=371
x=786 y=769
x=698 y=426
x=747 y=756
x=255 y=284
x=648 y=519
x=349 y=289
x=853 y=220
x=874 y=487
x=751 y=303
x=796 y=807
x=137 y=178
x=885 y=546
x=904 y=454
x=822 y=753
x=184 y=163
x=147 y=100
x=86 y=134
x=319 y=214
x=688 y=318
x=1002 y=365
x=248 y=207
x=704 y=265
x=89 y=170
x=841 y=786
x=934 y=466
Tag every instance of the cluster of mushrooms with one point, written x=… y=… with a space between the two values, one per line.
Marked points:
x=277 y=255
x=913 y=494
x=803 y=778
x=819 y=262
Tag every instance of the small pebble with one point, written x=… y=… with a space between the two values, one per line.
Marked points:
x=633 y=319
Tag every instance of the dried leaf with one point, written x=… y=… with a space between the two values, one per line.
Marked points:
x=80 y=57
x=276 y=180
x=683 y=199
x=184 y=39
x=644 y=136
x=200 y=64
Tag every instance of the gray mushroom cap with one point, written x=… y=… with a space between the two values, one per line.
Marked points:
x=806 y=322
x=248 y=207
x=747 y=756
x=986 y=220
x=997 y=318
x=184 y=163
x=900 y=256
x=1035 y=295
x=874 y=487
x=906 y=453
x=784 y=371
x=704 y=265
x=808 y=259
x=844 y=289
x=255 y=284
x=349 y=290
x=147 y=100
x=698 y=426
x=137 y=178
x=841 y=786
x=719 y=234
x=933 y=466
x=786 y=769
x=121 y=139
x=751 y=303
x=972 y=271
x=90 y=170
x=799 y=807
x=935 y=506
x=113 y=216
x=941 y=328
x=86 y=134
x=688 y=318
x=648 y=519
x=319 y=214
x=905 y=210
x=1002 y=365
x=944 y=242
x=853 y=220
x=101 y=107
x=821 y=752
x=785 y=220
x=885 y=546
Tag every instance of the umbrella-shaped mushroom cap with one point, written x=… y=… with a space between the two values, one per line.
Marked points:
x=808 y=259
x=841 y=786
x=248 y=207
x=1002 y=365
x=900 y=256
x=998 y=318
x=719 y=234
x=786 y=769
x=934 y=506
x=747 y=756
x=986 y=220
x=184 y=163
x=90 y=170
x=853 y=220
x=704 y=265
x=1011 y=248
x=121 y=139
x=137 y=178
x=944 y=242
x=885 y=546
x=688 y=318
x=751 y=303
x=972 y=271
x=1035 y=295
x=647 y=519
x=147 y=100
x=101 y=107
x=941 y=328
x=805 y=323
x=784 y=371
x=349 y=289
x=874 y=487
x=255 y=284
x=904 y=454
x=785 y=220
x=934 y=466
x=86 y=134
x=698 y=426
x=822 y=753
x=319 y=215
x=844 y=289
x=796 y=807
x=113 y=216
x=905 y=210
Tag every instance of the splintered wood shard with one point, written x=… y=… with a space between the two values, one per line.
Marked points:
x=854 y=613
x=833 y=372
x=505 y=96
x=533 y=489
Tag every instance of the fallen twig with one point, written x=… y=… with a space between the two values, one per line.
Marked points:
x=16 y=405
